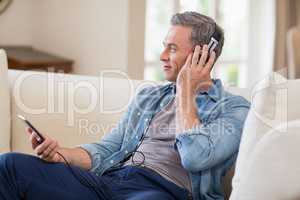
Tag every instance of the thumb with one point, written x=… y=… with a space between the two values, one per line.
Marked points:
x=29 y=130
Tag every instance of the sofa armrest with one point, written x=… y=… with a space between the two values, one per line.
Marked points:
x=274 y=171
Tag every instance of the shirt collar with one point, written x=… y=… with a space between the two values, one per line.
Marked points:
x=215 y=91
x=171 y=86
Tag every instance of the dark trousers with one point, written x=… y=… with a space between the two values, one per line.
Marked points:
x=28 y=177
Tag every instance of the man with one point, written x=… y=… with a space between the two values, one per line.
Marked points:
x=187 y=158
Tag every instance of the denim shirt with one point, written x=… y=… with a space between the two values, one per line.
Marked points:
x=206 y=151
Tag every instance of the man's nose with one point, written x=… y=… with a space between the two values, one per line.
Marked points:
x=164 y=56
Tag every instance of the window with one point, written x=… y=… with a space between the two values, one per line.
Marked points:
x=233 y=17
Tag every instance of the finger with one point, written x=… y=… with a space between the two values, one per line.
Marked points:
x=33 y=141
x=210 y=63
x=50 y=148
x=196 y=55
x=188 y=60
x=29 y=130
x=42 y=147
x=203 y=57
x=52 y=153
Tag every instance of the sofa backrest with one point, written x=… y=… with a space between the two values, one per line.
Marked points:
x=74 y=109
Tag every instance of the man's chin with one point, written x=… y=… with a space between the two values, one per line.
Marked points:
x=169 y=77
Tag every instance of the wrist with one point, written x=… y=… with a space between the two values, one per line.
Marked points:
x=185 y=103
x=184 y=91
x=192 y=89
x=66 y=157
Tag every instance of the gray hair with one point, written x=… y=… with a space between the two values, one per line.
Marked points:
x=203 y=27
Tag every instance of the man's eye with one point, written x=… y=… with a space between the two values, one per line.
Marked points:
x=173 y=50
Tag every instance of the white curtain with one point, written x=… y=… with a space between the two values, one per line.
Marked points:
x=261 y=40
x=286 y=18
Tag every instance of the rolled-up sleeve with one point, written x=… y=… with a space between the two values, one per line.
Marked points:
x=109 y=144
x=208 y=145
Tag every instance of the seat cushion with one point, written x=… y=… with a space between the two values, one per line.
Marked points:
x=4 y=105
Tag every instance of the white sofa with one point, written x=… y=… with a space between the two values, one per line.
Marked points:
x=59 y=104
x=73 y=109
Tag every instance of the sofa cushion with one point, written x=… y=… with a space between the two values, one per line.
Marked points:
x=273 y=102
x=4 y=105
x=274 y=171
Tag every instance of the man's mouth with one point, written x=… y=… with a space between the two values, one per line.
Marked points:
x=167 y=67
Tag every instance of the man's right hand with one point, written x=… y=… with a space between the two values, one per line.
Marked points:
x=48 y=150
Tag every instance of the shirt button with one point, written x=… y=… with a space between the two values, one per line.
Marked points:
x=126 y=152
x=139 y=114
x=161 y=105
x=146 y=119
x=111 y=161
x=136 y=137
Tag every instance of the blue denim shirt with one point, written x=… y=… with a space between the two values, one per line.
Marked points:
x=206 y=151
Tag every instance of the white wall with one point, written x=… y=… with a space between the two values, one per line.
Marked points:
x=94 y=33
x=136 y=38
x=15 y=26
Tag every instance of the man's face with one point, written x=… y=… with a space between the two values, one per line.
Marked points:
x=177 y=46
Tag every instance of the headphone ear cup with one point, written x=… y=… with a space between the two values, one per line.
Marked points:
x=210 y=45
